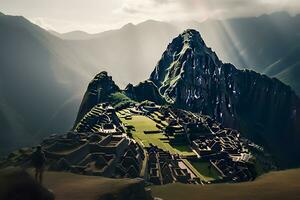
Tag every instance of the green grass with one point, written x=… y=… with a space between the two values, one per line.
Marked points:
x=156 y=116
x=119 y=99
x=193 y=169
x=203 y=168
x=184 y=149
x=142 y=123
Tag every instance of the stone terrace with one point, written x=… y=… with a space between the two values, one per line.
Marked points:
x=164 y=168
x=94 y=154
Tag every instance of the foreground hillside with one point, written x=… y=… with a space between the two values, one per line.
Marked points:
x=67 y=186
x=70 y=186
x=275 y=185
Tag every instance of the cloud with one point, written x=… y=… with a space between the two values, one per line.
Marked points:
x=202 y=9
x=99 y=15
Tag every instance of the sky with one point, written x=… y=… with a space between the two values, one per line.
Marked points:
x=99 y=15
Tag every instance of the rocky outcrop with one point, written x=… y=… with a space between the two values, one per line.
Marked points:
x=97 y=92
x=191 y=76
x=146 y=90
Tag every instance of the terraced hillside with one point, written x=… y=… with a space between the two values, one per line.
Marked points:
x=99 y=119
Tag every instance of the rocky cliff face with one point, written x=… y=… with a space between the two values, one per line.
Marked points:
x=146 y=90
x=190 y=76
x=97 y=92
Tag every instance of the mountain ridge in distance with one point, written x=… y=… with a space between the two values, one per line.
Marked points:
x=232 y=39
x=36 y=73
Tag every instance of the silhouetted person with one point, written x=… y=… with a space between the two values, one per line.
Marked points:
x=38 y=161
x=209 y=168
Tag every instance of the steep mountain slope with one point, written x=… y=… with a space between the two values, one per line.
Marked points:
x=98 y=91
x=190 y=76
x=103 y=89
x=37 y=87
x=65 y=186
x=258 y=43
x=287 y=69
x=146 y=90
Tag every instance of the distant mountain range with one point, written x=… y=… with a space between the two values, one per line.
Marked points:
x=268 y=44
x=43 y=73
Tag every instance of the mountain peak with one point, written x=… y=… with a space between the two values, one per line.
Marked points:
x=186 y=54
x=191 y=32
x=104 y=82
x=98 y=91
x=128 y=26
x=191 y=35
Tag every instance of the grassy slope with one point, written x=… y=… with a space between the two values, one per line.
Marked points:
x=203 y=168
x=142 y=123
x=119 y=98
x=275 y=185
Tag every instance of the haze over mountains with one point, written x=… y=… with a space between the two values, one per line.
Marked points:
x=38 y=73
x=43 y=75
x=267 y=44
